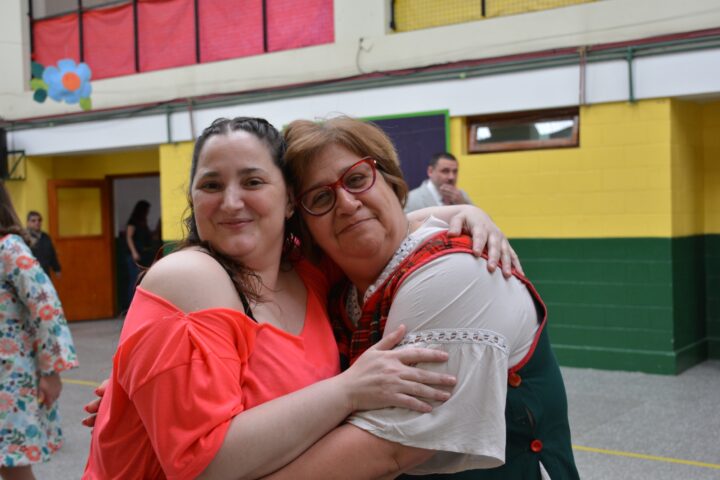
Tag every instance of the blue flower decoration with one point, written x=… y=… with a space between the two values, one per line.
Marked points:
x=68 y=82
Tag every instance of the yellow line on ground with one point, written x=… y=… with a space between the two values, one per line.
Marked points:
x=80 y=382
x=646 y=457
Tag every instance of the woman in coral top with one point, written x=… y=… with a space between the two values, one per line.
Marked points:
x=226 y=365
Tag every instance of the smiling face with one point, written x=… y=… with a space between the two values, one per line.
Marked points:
x=240 y=199
x=363 y=230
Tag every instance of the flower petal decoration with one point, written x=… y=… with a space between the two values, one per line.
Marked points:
x=40 y=95
x=86 y=103
x=53 y=79
x=68 y=82
x=36 y=69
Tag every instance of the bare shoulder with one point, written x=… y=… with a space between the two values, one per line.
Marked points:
x=192 y=280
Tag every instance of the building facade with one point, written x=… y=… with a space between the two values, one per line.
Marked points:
x=587 y=129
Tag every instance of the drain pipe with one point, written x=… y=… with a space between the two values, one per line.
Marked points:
x=583 y=69
x=168 y=124
x=192 y=119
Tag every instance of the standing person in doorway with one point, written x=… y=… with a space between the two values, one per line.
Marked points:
x=440 y=187
x=41 y=244
x=35 y=346
x=139 y=239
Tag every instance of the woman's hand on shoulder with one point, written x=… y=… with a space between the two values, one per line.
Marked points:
x=191 y=280
x=478 y=224
x=382 y=377
x=473 y=221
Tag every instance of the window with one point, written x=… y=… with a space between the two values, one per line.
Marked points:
x=523 y=131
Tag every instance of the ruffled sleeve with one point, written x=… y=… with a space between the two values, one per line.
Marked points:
x=52 y=342
x=184 y=374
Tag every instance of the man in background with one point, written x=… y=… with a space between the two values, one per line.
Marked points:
x=42 y=246
x=439 y=188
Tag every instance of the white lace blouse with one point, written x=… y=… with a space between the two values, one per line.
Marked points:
x=487 y=324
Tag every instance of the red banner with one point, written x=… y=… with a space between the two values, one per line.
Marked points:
x=293 y=24
x=109 y=41
x=227 y=31
x=55 y=39
x=166 y=33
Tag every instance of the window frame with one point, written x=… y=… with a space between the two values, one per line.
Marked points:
x=521 y=118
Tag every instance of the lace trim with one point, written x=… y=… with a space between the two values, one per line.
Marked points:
x=352 y=306
x=406 y=248
x=456 y=335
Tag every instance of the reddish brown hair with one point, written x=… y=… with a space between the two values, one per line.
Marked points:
x=305 y=139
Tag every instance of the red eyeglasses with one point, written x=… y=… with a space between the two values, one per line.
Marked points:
x=359 y=178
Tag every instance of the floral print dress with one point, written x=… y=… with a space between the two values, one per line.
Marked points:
x=34 y=340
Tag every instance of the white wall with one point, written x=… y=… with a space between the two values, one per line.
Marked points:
x=600 y=22
x=686 y=74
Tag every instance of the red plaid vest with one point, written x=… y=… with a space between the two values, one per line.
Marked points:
x=354 y=340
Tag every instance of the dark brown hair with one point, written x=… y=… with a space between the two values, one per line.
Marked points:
x=306 y=139
x=437 y=156
x=139 y=213
x=246 y=281
x=9 y=221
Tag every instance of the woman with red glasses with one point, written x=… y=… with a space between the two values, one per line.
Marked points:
x=507 y=416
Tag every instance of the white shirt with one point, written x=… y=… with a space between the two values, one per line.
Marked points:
x=435 y=193
x=487 y=324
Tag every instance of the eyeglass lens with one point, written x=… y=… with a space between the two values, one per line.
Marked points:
x=356 y=179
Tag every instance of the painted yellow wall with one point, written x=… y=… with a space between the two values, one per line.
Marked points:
x=175 y=160
x=711 y=166
x=616 y=184
x=419 y=14
x=103 y=164
x=687 y=182
x=416 y=15
x=31 y=193
x=17 y=197
x=497 y=8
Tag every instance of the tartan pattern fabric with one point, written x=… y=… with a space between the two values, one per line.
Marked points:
x=354 y=340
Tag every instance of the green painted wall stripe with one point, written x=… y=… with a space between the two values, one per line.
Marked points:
x=648 y=304
x=712 y=293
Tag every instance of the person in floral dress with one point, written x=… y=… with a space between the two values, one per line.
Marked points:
x=35 y=346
